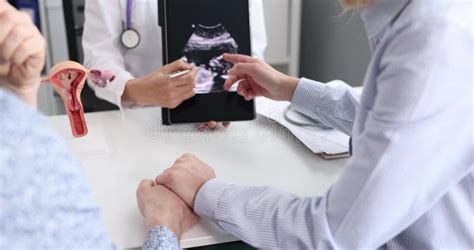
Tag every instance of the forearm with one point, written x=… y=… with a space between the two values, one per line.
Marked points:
x=371 y=187
x=335 y=106
x=136 y=94
x=265 y=217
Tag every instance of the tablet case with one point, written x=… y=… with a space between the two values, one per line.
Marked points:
x=199 y=32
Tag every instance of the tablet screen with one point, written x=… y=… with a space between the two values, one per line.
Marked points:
x=207 y=30
x=200 y=32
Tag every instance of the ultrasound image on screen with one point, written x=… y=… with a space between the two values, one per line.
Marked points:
x=204 y=49
x=200 y=32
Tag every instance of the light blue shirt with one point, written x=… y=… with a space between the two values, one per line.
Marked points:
x=409 y=184
x=45 y=201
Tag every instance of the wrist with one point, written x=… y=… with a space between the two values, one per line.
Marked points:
x=199 y=189
x=131 y=92
x=165 y=219
x=290 y=84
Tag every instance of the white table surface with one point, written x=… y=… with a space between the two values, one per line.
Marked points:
x=120 y=151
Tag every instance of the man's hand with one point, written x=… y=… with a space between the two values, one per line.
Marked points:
x=161 y=207
x=22 y=53
x=186 y=177
x=257 y=78
x=158 y=89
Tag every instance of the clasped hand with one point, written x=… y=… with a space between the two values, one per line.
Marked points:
x=168 y=200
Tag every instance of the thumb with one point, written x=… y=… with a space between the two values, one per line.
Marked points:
x=162 y=179
x=32 y=67
x=177 y=65
x=144 y=184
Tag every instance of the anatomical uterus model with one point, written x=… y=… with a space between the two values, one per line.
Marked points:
x=68 y=79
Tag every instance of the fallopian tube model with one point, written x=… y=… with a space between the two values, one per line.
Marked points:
x=68 y=79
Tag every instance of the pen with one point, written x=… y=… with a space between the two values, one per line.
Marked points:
x=179 y=73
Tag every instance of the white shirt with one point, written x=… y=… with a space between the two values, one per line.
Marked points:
x=104 y=24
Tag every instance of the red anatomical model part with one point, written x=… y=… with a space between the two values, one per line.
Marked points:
x=68 y=79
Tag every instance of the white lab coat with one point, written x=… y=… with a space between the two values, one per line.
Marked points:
x=103 y=28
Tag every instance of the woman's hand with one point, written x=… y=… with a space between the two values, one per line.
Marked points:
x=257 y=78
x=22 y=53
x=158 y=89
x=161 y=207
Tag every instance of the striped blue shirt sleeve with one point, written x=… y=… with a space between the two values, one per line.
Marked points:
x=336 y=106
x=409 y=182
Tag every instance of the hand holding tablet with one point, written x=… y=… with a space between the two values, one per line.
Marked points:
x=207 y=30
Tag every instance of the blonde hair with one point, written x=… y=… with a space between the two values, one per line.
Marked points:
x=350 y=4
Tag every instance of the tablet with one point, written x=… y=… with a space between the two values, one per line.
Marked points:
x=200 y=32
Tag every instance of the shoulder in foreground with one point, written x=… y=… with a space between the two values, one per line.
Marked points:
x=18 y=120
x=453 y=14
x=12 y=109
